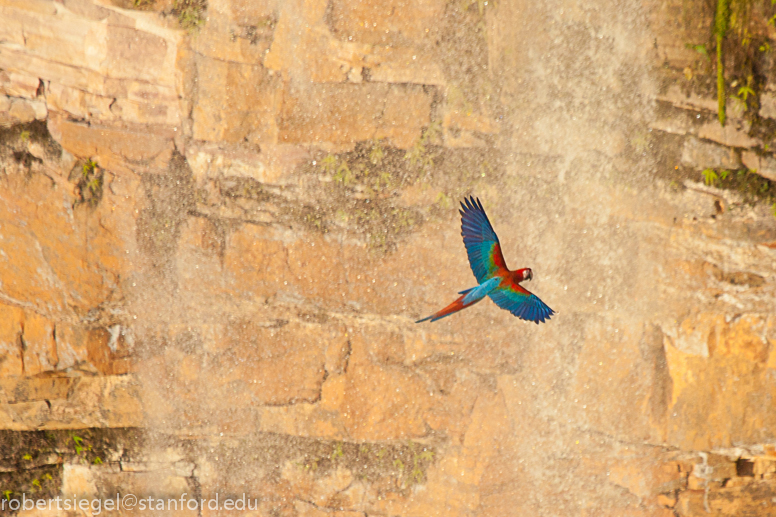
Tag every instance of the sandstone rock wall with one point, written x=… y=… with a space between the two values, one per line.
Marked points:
x=215 y=241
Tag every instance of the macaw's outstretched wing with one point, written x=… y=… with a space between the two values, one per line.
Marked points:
x=520 y=302
x=481 y=243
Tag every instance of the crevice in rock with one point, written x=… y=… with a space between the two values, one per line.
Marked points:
x=22 y=346
x=744 y=467
x=346 y=358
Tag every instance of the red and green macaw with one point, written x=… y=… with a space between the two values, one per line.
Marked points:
x=487 y=262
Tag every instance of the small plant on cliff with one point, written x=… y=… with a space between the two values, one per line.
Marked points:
x=710 y=177
x=78 y=444
x=752 y=187
x=89 y=182
x=190 y=13
x=84 y=450
x=419 y=460
x=420 y=156
x=700 y=49
x=367 y=180
x=337 y=452
x=739 y=45
x=745 y=91
x=721 y=21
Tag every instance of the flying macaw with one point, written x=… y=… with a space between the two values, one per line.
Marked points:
x=487 y=263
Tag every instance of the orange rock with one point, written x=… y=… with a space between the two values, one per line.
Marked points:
x=391 y=64
x=78 y=103
x=40 y=349
x=667 y=500
x=245 y=12
x=11 y=351
x=612 y=365
x=251 y=245
x=63 y=258
x=245 y=358
x=28 y=389
x=124 y=44
x=73 y=403
x=225 y=42
x=470 y=122
x=407 y=110
x=337 y=113
x=236 y=102
x=709 y=351
x=107 y=351
x=16 y=84
x=389 y=21
x=315 y=270
x=145 y=149
x=302 y=45
x=304 y=509
x=644 y=476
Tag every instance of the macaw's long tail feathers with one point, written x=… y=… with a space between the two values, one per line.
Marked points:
x=450 y=309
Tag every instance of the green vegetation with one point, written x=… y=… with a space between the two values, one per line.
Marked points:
x=481 y=5
x=721 y=21
x=404 y=465
x=78 y=444
x=413 y=472
x=83 y=449
x=367 y=179
x=739 y=46
x=700 y=49
x=89 y=182
x=36 y=458
x=373 y=170
x=337 y=453
x=745 y=91
x=190 y=13
x=753 y=187
x=710 y=177
x=420 y=156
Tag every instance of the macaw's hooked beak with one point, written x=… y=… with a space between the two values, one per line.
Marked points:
x=529 y=275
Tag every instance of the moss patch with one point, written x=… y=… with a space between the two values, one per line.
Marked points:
x=190 y=13
x=753 y=187
x=16 y=142
x=392 y=467
x=738 y=37
x=31 y=461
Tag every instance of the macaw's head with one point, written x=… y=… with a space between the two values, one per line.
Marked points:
x=524 y=274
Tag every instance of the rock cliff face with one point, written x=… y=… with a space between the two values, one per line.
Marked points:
x=220 y=221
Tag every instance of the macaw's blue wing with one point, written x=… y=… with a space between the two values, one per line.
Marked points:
x=520 y=302
x=481 y=242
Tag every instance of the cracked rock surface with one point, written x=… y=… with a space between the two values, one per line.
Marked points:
x=219 y=222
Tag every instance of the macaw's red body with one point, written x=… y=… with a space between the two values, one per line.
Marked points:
x=490 y=270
